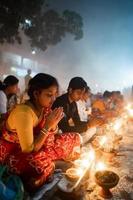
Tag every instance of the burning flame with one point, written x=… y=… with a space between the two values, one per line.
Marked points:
x=129 y=108
x=79 y=172
x=86 y=159
x=103 y=140
x=81 y=163
x=117 y=124
x=100 y=166
x=91 y=155
x=130 y=111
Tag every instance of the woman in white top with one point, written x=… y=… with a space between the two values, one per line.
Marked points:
x=7 y=88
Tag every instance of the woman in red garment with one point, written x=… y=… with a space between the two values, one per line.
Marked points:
x=30 y=143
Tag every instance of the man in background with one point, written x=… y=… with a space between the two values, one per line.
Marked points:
x=27 y=78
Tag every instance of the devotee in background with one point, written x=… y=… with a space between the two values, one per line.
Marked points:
x=27 y=78
x=108 y=105
x=84 y=105
x=30 y=138
x=24 y=96
x=71 y=120
x=8 y=89
x=117 y=101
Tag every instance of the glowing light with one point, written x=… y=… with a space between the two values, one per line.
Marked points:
x=86 y=159
x=125 y=116
x=129 y=109
x=100 y=166
x=13 y=69
x=91 y=155
x=33 y=52
x=103 y=140
x=79 y=172
x=117 y=124
x=82 y=163
x=128 y=106
x=28 y=22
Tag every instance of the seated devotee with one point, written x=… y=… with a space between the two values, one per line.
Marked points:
x=83 y=106
x=107 y=96
x=102 y=106
x=29 y=144
x=98 y=105
x=117 y=101
x=71 y=120
x=8 y=88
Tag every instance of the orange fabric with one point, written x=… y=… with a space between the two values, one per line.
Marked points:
x=99 y=104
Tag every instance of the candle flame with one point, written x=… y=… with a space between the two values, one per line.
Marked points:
x=128 y=106
x=117 y=124
x=129 y=109
x=79 y=172
x=103 y=140
x=86 y=159
x=100 y=166
x=91 y=155
x=82 y=163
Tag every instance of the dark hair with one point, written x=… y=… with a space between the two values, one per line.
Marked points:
x=77 y=83
x=10 y=81
x=116 y=92
x=107 y=94
x=87 y=89
x=39 y=82
x=1 y=85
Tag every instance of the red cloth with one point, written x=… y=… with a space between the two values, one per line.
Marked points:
x=38 y=165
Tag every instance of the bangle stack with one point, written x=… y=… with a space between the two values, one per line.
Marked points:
x=44 y=131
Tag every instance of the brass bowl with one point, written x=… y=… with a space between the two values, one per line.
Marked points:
x=106 y=180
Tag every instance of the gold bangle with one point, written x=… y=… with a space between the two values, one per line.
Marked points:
x=44 y=131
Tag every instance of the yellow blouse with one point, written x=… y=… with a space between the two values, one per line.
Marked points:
x=22 y=120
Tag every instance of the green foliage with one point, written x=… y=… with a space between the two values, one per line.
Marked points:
x=44 y=27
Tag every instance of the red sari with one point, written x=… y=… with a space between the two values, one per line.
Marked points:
x=36 y=167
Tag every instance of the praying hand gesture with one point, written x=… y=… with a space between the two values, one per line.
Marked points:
x=53 y=119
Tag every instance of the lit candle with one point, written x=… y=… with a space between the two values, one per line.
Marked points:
x=128 y=106
x=86 y=159
x=79 y=172
x=82 y=163
x=91 y=155
x=129 y=109
x=117 y=124
x=100 y=166
x=103 y=140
